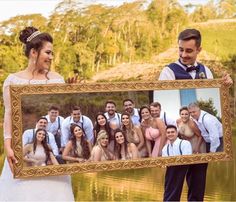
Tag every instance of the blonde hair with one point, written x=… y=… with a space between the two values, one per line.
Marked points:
x=101 y=134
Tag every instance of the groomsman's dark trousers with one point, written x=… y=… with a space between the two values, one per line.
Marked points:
x=195 y=177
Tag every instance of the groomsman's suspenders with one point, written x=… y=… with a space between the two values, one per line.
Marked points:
x=82 y=123
x=180 y=150
x=59 y=123
x=203 y=122
x=165 y=118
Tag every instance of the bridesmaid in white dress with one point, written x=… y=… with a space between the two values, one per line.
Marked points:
x=39 y=51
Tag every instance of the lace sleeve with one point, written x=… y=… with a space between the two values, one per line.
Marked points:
x=7 y=128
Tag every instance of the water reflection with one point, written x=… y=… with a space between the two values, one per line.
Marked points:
x=147 y=184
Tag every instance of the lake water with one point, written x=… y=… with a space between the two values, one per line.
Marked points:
x=147 y=184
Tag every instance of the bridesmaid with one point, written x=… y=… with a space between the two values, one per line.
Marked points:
x=101 y=123
x=188 y=130
x=154 y=132
x=133 y=133
x=123 y=149
x=100 y=151
x=39 y=152
x=78 y=149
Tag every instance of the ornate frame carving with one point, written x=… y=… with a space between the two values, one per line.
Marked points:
x=17 y=91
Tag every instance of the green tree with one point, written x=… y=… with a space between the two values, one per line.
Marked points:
x=208 y=106
x=227 y=8
x=204 y=12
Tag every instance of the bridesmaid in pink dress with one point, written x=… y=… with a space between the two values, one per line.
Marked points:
x=154 y=132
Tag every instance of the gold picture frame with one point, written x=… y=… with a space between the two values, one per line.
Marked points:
x=19 y=92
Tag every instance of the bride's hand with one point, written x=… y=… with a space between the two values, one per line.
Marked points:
x=72 y=79
x=11 y=158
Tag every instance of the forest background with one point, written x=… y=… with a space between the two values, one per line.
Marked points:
x=129 y=42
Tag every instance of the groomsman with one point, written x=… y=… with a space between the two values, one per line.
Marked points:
x=28 y=135
x=129 y=107
x=210 y=126
x=83 y=121
x=112 y=116
x=157 y=112
x=54 y=123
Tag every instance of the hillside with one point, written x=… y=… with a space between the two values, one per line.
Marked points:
x=150 y=71
x=218 y=42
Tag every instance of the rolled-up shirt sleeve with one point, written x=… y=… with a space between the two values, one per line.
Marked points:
x=26 y=137
x=65 y=132
x=186 y=148
x=164 y=151
x=212 y=126
x=88 y=129
x=53 y=144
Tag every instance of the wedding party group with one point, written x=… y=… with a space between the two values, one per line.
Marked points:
x=131 y=134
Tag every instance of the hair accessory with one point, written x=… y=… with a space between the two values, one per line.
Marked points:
x=32 y=36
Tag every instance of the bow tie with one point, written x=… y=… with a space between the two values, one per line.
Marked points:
x=192 y=68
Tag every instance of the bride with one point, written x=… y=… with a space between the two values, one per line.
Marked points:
x=39 y=51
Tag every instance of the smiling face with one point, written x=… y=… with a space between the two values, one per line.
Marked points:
x=44 y=57
x=78 y=132
x=128 y=106
x=110 y=109
x=120 y=139
x=42 y=124
x=101 y=120
x=104 y=141
x=40 y=136
x=171 y=134
x=188 y=51
x=195 y=112
x=145 y=114
x=184 y=115
x=76 y=115
x=53 y=114
x=155 y=111
x=125 y=120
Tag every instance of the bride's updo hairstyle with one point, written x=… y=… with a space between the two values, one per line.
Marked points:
x=33 y=38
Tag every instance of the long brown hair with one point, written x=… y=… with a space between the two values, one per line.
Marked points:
x=129 y=132
x=117 y=146
x=97 y=127
x=84 y=143
x=44 y=143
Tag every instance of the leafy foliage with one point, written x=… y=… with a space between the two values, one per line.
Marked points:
x=208 y=106
x=92 y=38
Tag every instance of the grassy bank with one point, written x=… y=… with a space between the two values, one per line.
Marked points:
x=219 y=37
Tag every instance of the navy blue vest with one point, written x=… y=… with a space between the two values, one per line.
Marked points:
x=180 y=73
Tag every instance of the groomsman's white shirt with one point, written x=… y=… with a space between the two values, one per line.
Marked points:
x=53 y=126
x=166 y=119
x=214 y=127
x=174 y=149
x=84 y=122
x=28 y=137
x=115 y=119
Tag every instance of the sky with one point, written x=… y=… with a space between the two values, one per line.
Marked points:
x=11 y=8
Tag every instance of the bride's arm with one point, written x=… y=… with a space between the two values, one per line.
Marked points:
x=7 y=126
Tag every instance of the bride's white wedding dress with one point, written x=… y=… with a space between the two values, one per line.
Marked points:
x=52 y=188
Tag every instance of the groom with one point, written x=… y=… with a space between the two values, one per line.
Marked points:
x=187 y=67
